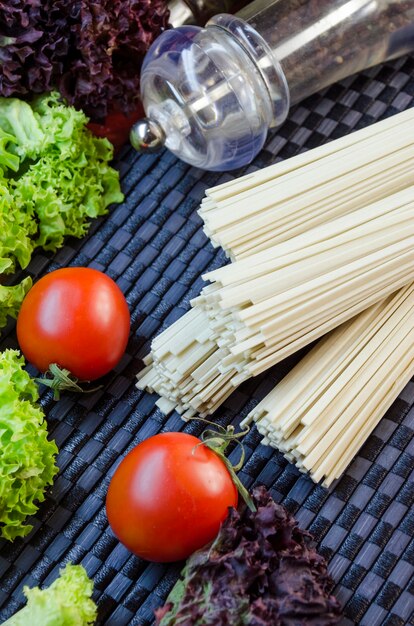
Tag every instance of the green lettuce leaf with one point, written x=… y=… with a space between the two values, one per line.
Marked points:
x=11 y=299
x=17 y=228
x=68 y=180
x=18 y=120
x=8 y=160
x=27 y=457
x=67 y=602
x=54 y=178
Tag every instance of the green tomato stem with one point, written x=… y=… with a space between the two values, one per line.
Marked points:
x=218 y=441
x=60 y=379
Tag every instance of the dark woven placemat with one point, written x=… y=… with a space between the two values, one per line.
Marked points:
x=154 y=247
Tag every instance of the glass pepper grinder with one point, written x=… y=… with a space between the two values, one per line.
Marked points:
x=199 y=11
x=211 y=94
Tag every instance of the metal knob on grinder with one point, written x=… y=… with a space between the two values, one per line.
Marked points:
x=147 y=136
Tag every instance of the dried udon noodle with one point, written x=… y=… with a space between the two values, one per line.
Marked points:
x=317 y=240
x=260 y=209
x=321 y=413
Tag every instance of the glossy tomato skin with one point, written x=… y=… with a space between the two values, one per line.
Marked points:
x=76 y=317
x=168 y=497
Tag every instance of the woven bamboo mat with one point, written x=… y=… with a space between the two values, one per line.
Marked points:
x=154 y=247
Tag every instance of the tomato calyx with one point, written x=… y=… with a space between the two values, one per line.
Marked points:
x=60 y=379
x=218 y=441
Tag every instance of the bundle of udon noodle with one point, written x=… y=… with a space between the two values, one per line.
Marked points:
x=322 y=412
x=315 y=240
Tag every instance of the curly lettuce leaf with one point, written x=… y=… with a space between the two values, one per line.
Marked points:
x=68 y=181
x=90 y=50
x=16 y=247
x=17 y=228
x=261 y=569
x=18 y=120
x=11 y=299
x=67 y=602
x=60 y=123
x=111 y=39
x=8 y=160
x=27 y=457
x=54 y=178
x=34 y=44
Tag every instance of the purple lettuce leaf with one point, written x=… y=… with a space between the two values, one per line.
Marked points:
x=112 y=37
x=90 y=50
x=35 y=42
x=260 y=570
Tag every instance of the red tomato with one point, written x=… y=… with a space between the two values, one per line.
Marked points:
x=116 y=126
x=76 y=317
x=168 y=497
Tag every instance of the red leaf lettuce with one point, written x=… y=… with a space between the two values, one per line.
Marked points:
x=90 y=50
x=260 y=570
